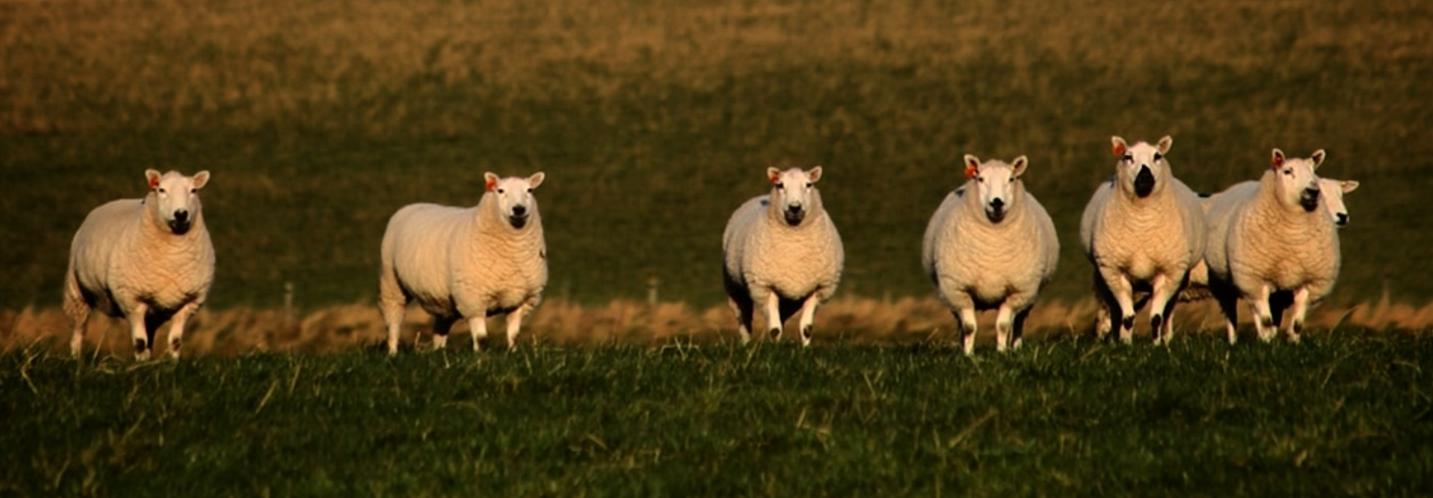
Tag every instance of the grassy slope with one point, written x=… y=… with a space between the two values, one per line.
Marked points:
x=1339 y=415
x=654 y=120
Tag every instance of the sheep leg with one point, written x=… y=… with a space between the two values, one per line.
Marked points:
x=1003 y=321
x=808 y=316
x=1122 y=291
x=441 y=326
x=1017 y=334
x=391 y=304
x=138 y=333
x=965 y=317
x=78 y=311
x=773 y=314
x=1301 y=309
x=176 y=330
x=744 y=309
x=1104 y=320
x=478 y=325
x=1228 y=300
x=514 y=322
x=1163 y=294
x=1263 y=317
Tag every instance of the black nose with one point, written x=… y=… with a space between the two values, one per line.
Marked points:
x=181 y=215
x=1342 y=219
x=519 y=210
x=997 y=203
x=1144 y=182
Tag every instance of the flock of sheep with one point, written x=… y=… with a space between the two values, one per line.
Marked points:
x=989 y=245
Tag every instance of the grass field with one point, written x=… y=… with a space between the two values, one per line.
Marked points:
x=655 y=119
x=1349 y=413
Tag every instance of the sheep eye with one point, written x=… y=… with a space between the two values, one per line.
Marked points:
x=529 y=190
x=1128 y=158
x=780 y=186
x=808 y=184
x=1289 y=171
x=1012 y=179
x=1158 y=156
x=193 y=190
x=980 y=179
x=500 y=191
x=161 y=190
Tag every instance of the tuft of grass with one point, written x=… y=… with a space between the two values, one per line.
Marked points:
x=1343 y=414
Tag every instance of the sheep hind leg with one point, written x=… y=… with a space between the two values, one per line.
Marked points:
x=441 y=326
x=392 y=302
x=1017 y=333
x=79 y=312
x=744 y=310
x=176 y=329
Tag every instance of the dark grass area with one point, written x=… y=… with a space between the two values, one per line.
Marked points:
x=1346 y=413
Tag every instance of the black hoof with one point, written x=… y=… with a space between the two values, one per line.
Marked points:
x=775 y=333
x=1155 y=322
x=1298 y=327
x=1267 y=322
x=140 y=345
x=1127 y=322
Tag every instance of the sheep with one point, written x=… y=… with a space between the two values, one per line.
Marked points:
x=146 y=260
x=1270 y=241
x=782 y=251
x=1142 y=230
x=466 y=263
x=1332 y=191
x=990 y=245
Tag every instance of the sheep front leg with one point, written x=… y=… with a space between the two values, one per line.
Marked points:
x=1263 y=316
x=514 y=322
x=808 y=317
x=1123 y=292
x=1004 y=320
x=965 y=319
x=1301 y=309
x=773 y=314
x=478 y=325
x=176 y=331
x=138 y=333
x=1164 y=290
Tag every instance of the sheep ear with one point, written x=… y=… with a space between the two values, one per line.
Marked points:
x=536 y=179
x=972 y=166
x=814 y=174
x=1165 y=143
x=201 y=179
x=1277 y=160
x=1318 y=158
x=1118 y=146
x=490 y=181
x=1019 y=165
x=773 y=175
x=152 y=176
x=1348 y=185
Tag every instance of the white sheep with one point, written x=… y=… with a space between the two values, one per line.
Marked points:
x=1271 y=240
x=1142 y=230
x=466 y=262
x=990 y=245
x=782 y=251
x=146 y=260
x=1332 y=191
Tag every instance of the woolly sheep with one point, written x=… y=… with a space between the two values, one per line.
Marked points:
x=147 y=260
x=1270 y=241
x=782 y=251
x=1142 y=230
x=466 y=262
x=1332 y=191
x=990 y=245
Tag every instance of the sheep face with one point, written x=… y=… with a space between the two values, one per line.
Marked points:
x=794 y=192
x=175 y=198
x=997 y=184
x=1141 y=168
x=514 y=195
x=1296 y=182
x=1332 y=192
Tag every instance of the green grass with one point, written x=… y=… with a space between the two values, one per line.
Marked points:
x=654 y=120
x=1343 y=414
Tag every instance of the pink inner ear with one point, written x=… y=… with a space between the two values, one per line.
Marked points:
x=971 y=171
x=1118 y=150
x=491 y=184
x=1278 y=161
x=153 y=182
x=775 y=178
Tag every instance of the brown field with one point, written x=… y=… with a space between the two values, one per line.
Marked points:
x=558 y=322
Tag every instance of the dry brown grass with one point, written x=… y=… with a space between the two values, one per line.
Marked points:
x=845 y=320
